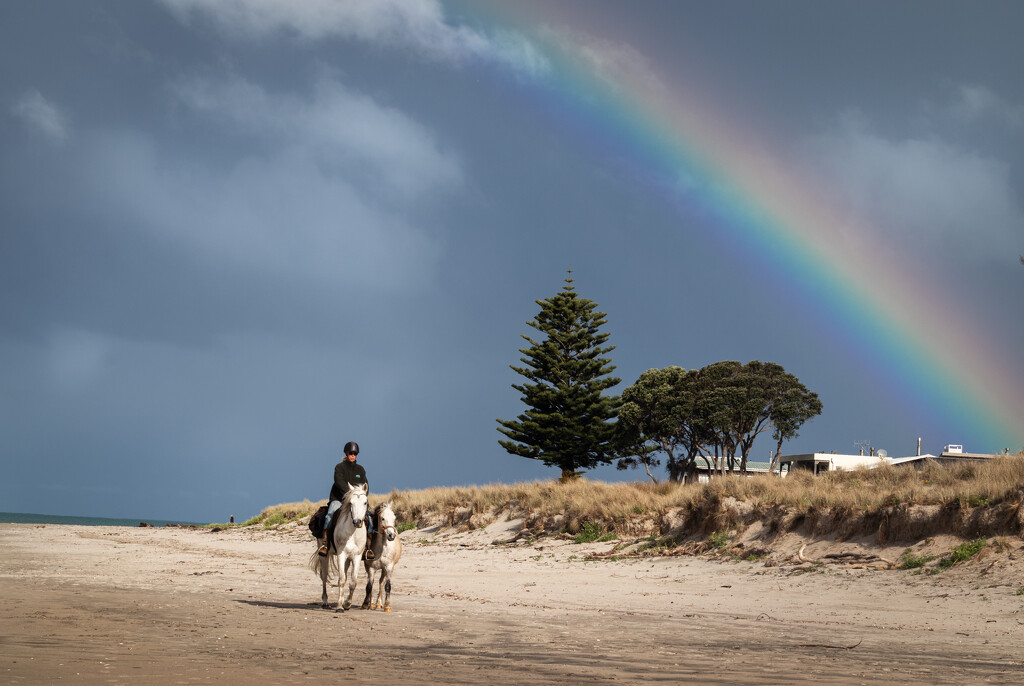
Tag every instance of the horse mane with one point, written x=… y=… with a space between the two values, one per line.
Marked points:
x=349 y=494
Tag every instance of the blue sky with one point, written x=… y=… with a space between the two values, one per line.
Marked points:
x=237 y=234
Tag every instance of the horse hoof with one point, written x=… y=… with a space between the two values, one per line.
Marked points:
x=387 y=609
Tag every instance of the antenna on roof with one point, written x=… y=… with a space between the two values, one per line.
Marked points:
x=862 y=445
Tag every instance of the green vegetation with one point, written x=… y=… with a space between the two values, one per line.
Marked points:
x=911 y=561
x=567 y=423
x=589 y=533
x=405 y=526
x=719 y=539
x=273 y=521
x=1020 y=591
x=962 y=553
x=719 y=409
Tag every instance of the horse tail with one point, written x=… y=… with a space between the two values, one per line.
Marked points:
x=316 y=559
x=314 y=562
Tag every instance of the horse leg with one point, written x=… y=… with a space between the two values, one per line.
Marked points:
x=350 y=582
x=378 y=602
x=342 y=573
x=369 y=586
x=324 y=567
x=387 y=589
x=341 y=590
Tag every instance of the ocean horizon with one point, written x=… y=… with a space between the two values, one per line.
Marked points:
x=29 y=518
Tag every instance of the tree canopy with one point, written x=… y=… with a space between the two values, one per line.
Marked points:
x=568 y=422
x=714 y=413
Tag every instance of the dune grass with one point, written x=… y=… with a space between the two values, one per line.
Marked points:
x=971 y=484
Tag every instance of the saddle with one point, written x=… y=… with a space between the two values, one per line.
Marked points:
x=316 y=522
x=316 y=527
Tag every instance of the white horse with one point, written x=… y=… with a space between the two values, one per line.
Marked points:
x=348 y=544
x=387 y=549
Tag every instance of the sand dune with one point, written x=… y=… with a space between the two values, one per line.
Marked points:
x=104 y=605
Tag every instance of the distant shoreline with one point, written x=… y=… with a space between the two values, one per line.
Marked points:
x=29 y=518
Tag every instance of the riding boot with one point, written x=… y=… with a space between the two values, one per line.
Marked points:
x=323 y=546
x=368 y=553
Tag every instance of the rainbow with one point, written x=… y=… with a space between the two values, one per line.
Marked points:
x=898 y=324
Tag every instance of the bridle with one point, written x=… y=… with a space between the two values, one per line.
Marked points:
x=347 y=502
x=384 y=528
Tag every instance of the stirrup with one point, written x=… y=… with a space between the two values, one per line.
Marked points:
x=322 y=551
x=368 y=554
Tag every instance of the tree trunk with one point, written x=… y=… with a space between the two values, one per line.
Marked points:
x=570 y=475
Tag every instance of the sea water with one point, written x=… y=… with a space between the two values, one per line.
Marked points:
x=24 y=518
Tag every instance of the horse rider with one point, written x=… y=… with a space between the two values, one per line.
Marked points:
x=347 y=473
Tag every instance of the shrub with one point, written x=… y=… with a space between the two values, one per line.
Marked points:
x=276 y=519
x=719 y=539
x=911 y=561
x=963 y=552
x=589 y=533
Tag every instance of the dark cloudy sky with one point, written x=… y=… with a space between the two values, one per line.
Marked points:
x=235 y=234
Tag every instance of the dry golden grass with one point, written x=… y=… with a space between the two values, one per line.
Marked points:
x=971 y=484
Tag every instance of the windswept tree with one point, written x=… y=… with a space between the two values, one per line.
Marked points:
x=568 y=422
x=713 y=414
x=741 y=402
x=642 y=428
x=657 y=415
x=793 y=406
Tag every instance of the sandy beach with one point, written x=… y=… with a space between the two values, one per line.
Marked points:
x=111 y=605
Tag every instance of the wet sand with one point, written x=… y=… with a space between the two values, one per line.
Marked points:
x=111 y=605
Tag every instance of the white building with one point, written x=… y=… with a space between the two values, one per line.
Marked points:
x=831 y=462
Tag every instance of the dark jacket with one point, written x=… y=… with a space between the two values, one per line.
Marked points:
x=346 y=473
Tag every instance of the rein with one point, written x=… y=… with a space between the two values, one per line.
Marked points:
x=382 y=528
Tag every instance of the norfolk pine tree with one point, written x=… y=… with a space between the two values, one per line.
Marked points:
x=568 y=421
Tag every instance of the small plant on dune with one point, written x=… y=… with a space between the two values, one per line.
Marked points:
x=405 y=526
x=652 y=543
x=274 y=520
x=963 y=552
x=719 y=539
x=1020 y=591
x=589 y=533
x=911 y=561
